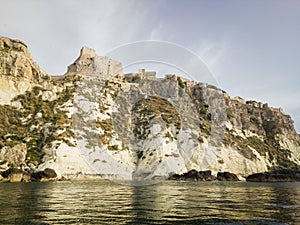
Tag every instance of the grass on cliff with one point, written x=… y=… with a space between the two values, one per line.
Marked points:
x=36 y=123
x=153 y=107
x=269 y=148
x=264 y=122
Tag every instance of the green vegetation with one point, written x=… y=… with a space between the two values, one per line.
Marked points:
x=266 y=123
x=107 y=127
x=267 y=148
x=136 y=79
x=204 y=109
x=205 y=126
x=255 y=121
x=221 y=161
x=112 y=88
x=200 y=138
x=36 y=122
x=271 y=128
x=180 y=83
x=147 y=109
x=112 y=147
x=169 y=136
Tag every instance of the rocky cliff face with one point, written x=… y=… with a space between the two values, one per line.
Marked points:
x=18 y=72
x=95 y=121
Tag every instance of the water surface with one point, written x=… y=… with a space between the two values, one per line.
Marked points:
x=169 y=202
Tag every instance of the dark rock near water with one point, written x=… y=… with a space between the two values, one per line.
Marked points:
x=207 y=175
x=6 y=173
x=50 y=173
x=194 y=175
x=37 y=176
x=19 y=175
x=175 y=176
x=11 y=171
x=283 y=175
x=226 y=176
x=16 y=175
x=26 y=177
x=63 y=179
x=46 y=174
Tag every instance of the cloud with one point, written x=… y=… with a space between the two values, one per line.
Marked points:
x=56 y=30
x=213 y=52
x=251 y=50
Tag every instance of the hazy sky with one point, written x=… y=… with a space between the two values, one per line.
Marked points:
x=251 y=47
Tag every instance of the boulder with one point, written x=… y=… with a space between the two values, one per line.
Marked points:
x=2 y=179
x=37 y=176
x=26 y=177
x=283 y=175
x=227 y=176
x=44 y=175
x=63 y=179
x=175 y=176
x=13 y=175
x=50 y=173
x=207 y=175
x=194 y=175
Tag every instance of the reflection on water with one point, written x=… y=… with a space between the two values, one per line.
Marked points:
x=104 y=202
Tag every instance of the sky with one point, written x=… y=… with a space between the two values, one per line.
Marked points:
x=251 y=47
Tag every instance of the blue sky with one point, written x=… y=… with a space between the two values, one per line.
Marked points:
x=251 y=47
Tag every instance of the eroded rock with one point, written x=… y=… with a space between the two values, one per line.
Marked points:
x=19 y=175
x=44 y=175
x=194 y=175
x=14 y=155
x=226 y=176
x=18 y=72
x=13 y=175
x=283 y=175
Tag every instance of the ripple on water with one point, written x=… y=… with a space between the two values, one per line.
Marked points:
x=105 y=202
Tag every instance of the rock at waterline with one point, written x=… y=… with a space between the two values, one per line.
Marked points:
x=194 y=175
x=44 y=175
x=283 y=175
x=50 y=173
x=14 y=175
x=18 y=175
x=226 y=176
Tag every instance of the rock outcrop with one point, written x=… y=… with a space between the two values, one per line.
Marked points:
x=16 y=175
x=44 y=175
x=18 y=72
x=227 y=176
x=19 y=175
x=90 y=64
x=194 y=175
x=15 y=155
x=94 y=121
x=282 y=175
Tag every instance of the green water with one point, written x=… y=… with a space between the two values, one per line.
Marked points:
x=170 y=202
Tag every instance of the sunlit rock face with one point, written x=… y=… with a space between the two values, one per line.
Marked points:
x=95 y=121
x=18 y=72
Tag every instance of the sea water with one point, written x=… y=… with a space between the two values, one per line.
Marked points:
x=168 y=202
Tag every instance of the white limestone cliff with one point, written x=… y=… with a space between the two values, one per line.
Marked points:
x=96 y=122
x=18 y=72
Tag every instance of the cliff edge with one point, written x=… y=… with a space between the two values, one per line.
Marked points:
x=96 y=121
